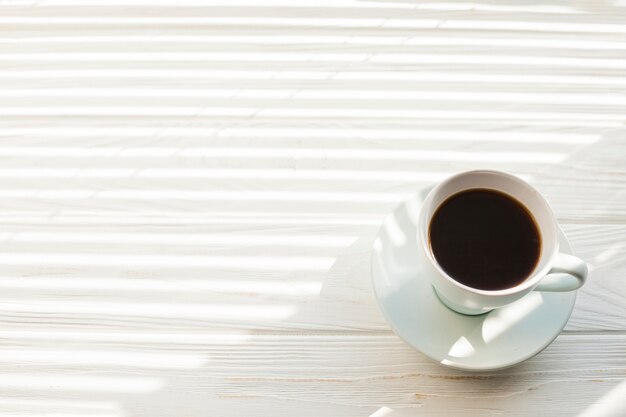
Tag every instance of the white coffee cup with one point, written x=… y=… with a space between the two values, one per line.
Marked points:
x=554 y=271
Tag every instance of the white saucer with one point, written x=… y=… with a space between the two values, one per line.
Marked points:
x=498 y=339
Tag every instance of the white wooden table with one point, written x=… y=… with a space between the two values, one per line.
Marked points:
x=189 y=192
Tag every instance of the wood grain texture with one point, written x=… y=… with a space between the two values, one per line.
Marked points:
x=232 y=276
x=304 y=374
x=189 y=192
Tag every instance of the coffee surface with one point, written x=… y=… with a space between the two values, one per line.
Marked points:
x=485 y=239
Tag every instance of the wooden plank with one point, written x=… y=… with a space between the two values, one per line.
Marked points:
x=602 y=299
x=604 y=15
x=190 y=373
x=246 y=276
x=364 y=169
x=312 y=9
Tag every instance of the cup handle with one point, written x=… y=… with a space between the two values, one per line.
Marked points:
x=569 y=273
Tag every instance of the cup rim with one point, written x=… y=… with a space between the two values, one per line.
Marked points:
x=529 y=282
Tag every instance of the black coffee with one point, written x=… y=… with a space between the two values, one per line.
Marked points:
x=484 y=239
